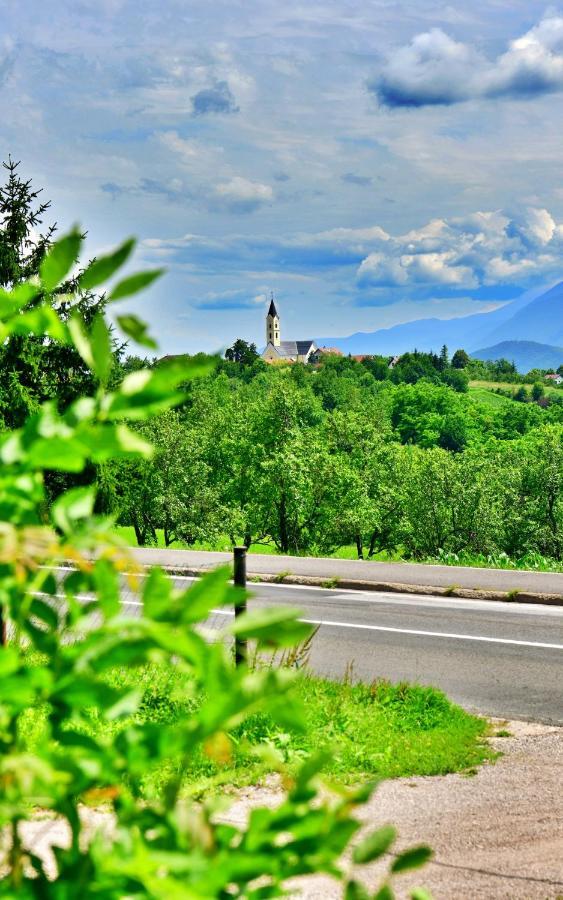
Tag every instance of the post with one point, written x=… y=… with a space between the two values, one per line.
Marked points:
x=240 y=604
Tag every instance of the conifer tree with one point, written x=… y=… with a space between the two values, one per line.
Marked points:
x=35 y=369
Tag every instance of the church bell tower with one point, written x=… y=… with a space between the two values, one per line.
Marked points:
x=273 y=325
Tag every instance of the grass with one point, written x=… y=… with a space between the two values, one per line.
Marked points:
x=379 y=730
x=487 y=398
x=488 y=386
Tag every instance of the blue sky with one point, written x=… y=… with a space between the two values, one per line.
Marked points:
x=370 y=163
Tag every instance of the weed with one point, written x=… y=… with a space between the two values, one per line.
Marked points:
x=450 y=591
x=503 y=733
x=512 y=595
x=280 y=577
x=330 y=583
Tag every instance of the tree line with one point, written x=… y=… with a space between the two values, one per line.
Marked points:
x=312 y=460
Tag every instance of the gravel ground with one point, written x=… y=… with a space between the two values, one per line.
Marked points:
x=497 y=835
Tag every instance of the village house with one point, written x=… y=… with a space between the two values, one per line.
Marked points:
x=554 y=378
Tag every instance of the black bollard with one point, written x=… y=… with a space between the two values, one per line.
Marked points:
x=240 y=605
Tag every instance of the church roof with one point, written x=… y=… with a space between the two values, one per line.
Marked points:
x=291 y=349
x=272 y=311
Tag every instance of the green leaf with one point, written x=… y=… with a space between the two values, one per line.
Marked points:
x=106 y=581
x=420 y=894
x=104 y=267
x=60 y=259
x=157 y=593
x=384 y=893
x=81 y=341
x=149 y=391
x=59 y=453
x=374 y=845
x=113 y=441
x=273 y=627
x=136 y=329
x=210 y=591
x=12 y=301
x=42 y=320
x=100 y=342
x=72 y=506
x=412 y=859
x=134 y=283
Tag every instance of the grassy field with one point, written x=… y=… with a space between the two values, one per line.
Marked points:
x=478 y=387
x=379 y=730
x=486 y=396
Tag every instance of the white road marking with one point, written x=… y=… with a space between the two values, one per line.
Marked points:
x=390 y=597
x=438 y=634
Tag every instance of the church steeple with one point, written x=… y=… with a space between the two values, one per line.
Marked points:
x=273 y=325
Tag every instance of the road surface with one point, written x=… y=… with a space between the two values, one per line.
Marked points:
x=498 y=659
x=402 y=573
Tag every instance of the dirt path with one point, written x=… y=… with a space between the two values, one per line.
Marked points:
x=498 y=834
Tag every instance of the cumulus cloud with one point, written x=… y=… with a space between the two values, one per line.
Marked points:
x=436 y=70
x=465 y=255
x=484 y=248
x=216 y=99
x=240 y=195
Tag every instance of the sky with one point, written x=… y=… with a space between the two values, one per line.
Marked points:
x=369 y=162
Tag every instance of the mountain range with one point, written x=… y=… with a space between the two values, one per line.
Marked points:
x=528 y=318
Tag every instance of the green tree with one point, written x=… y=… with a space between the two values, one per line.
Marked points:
x=460 y=359
x=538 y=391
x=444 y=359
x=242 y=352
x=34 y=368
x=170 y=491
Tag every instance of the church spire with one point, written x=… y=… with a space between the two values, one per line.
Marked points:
x=272 y=310
x=273 y=324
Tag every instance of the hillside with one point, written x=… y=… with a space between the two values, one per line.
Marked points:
x=525 y=355
x=535 y=315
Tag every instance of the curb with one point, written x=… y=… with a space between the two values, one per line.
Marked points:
x=390 y=587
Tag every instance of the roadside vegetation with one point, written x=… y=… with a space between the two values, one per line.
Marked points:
x=379 y=730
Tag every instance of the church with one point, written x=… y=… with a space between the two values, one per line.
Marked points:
x=285 y=351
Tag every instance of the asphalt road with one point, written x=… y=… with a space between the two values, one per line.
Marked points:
x=403 y=573
x=501 y=660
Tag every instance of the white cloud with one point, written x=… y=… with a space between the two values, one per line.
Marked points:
x=241 y=195
x=464 y=252
x=436 y=70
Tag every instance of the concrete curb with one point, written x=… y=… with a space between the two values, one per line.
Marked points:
x=391 y=587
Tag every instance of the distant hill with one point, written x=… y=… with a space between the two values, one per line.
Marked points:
x=540 y=320
x=525 y=355
x=529 y=317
